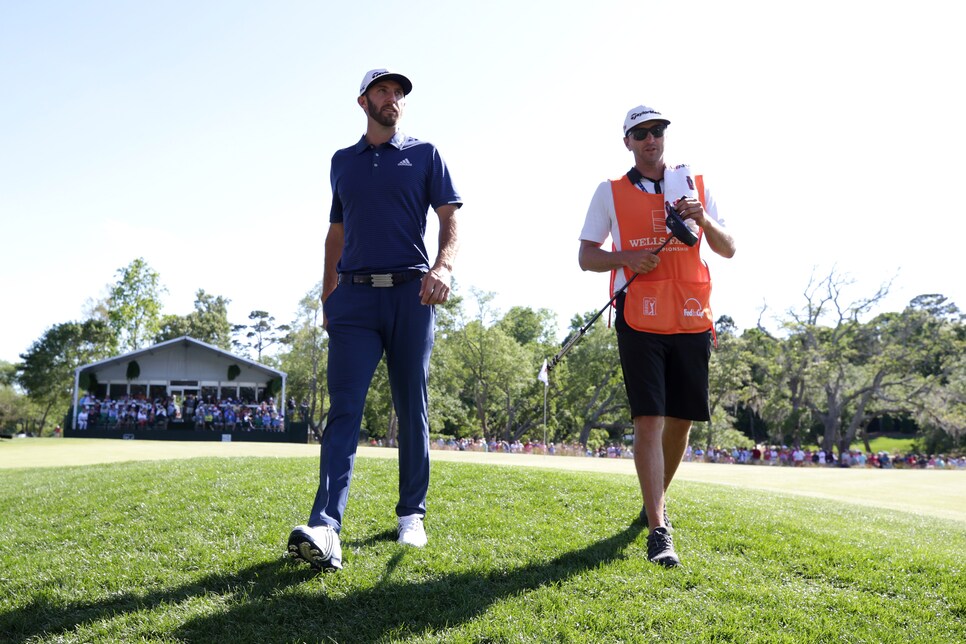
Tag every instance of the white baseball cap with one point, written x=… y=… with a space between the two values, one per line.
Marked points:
x=641 y=113
x=384 y=74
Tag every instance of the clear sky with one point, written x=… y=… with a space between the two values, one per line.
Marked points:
x=198 y=135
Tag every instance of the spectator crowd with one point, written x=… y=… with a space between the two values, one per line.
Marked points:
x=798 y=457
x=769 y=455
x=230 y=415
x=161 y=413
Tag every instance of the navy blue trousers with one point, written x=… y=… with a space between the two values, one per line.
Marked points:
x=363 y=323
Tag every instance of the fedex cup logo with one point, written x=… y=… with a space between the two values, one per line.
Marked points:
x=692 y=308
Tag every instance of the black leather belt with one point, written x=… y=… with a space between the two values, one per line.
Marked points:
x=380 y=280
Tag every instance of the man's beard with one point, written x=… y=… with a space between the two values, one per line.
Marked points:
x=382 y=118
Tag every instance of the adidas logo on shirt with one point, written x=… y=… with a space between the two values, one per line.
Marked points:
x=406 y=163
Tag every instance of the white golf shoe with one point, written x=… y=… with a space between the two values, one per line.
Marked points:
x=411 y=531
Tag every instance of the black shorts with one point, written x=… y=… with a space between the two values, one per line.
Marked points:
x=664 y=374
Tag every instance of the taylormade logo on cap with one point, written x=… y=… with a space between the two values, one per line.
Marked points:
x=640 y=114
x=371 y=76
x=374 y=74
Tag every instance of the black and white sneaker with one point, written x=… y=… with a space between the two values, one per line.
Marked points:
x=642 y=519
x=660 y=549
x=318 y=546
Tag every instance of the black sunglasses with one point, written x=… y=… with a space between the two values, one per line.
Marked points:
x=640 y=133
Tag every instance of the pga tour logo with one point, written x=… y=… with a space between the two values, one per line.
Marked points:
x=692 y=308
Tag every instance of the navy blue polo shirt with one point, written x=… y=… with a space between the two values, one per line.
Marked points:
x=382 y=195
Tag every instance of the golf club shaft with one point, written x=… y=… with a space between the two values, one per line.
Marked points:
x=573 y=340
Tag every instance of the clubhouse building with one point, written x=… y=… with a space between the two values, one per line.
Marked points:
x=181 y=389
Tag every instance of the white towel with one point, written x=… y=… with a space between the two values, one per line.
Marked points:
x=679 y=182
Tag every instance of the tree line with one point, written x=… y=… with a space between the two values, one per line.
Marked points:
x=833 y=372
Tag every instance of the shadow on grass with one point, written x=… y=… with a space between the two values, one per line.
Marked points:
x=385 y=535
x=52 y=618
x=263 y=609
x=395 y=609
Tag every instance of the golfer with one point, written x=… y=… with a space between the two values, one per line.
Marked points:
x=379 y=293
x=664 y=323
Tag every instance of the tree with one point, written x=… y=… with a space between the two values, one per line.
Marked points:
x=770 y=392
x=304 y=357
x=728 y=371
x=8 y=374
x=511 y=371
x=47 y=371
x=591 y=386
x=855 y=371
x=208 y=322
x=17 y=412
x=941 y=412
x=261 y=334
x=450 y=411
x=718 y=432
x=831 y=355
x=379 y=415
x=475 y=352
x=497 y=373
x=529 y=336
x=940 y=407
x=134 y=305
x=527 y=326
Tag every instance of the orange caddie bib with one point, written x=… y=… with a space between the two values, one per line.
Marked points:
x=674 y=297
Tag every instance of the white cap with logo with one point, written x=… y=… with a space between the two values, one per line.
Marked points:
x=384 y=74
x=640 y=114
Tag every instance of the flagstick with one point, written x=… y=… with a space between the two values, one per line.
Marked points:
x=545 y=388
x=544 y=377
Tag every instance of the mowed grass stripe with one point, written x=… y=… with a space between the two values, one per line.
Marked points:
x=937 y=493
x=190 y=550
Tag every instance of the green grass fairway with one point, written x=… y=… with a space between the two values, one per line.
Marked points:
x=938 y=493
x=191 y=550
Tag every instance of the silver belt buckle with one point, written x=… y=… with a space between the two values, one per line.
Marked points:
x=382 y=281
